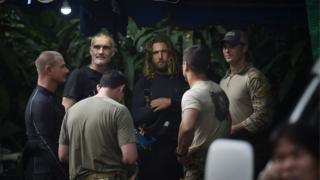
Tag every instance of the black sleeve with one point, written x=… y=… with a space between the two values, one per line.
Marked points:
x=73 y=85
x=140 y=113
x=177 y=96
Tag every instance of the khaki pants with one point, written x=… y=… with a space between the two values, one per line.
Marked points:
x=195 y=170
x=104 y=176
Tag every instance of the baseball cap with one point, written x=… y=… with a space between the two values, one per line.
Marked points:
x=235 y=37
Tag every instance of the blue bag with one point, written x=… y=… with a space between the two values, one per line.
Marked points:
x=144 y=142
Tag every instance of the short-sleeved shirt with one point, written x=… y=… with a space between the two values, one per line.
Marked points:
x=82 y=83
x=95 y=129
x=214 y=118
x=250 y=98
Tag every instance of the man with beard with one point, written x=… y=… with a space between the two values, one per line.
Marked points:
x=156 y=111
x=82 y=82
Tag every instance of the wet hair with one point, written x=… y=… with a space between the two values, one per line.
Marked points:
x=299 y=134
x=198 y=58
x=112 y=79
x=148 y=69
x=103 y=34
x=47 y=58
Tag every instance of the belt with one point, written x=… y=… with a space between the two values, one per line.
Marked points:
x=101 y=176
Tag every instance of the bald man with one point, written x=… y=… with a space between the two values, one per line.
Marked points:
x=82 y=82
x=43 y=118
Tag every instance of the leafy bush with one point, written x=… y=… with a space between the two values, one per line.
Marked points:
x=284 y=57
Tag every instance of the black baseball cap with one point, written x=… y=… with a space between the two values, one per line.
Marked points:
x=235 y=37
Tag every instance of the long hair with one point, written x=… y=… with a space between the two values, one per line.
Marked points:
x=148 y=69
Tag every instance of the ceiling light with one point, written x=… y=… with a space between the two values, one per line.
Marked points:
x=65 y=8
x=45 y=1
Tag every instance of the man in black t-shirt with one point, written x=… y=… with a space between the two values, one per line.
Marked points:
x=82 y=82
x=43 y=118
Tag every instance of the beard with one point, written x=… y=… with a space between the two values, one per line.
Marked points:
x=161 y=67
x=101 y=61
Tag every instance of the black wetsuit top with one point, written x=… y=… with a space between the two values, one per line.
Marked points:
x=159 y=161
x=44 y=115
x=160 y=86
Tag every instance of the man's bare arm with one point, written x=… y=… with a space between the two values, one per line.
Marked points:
x=63 y=152
x=129 y=153
x=187 y=128
x=68 y=102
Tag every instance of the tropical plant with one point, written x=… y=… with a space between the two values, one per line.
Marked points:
x=285 y=57
x=22 y=38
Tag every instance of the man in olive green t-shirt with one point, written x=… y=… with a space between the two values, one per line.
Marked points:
x=97 y=134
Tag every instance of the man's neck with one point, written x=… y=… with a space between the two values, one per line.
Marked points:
x=46 y=83
x=100 y=69
x=162 y=72
x=237 y=67
x=106 y=92
x=193 y=78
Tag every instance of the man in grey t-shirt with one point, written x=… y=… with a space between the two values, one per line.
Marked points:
x=97 y=134
x=205 y=113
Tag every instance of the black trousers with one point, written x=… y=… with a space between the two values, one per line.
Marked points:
x=160 y=162
x=38 y=168
x=39 y=164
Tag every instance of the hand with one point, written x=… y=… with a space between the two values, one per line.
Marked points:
x=160 y=104
x=271 y=172
x=184 y=160
x=238 y=128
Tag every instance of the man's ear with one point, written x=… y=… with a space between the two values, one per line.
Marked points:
x=91 y=51
x=98 y=87
x=122 y=88
x=47 y=69
x=185 y=67
x=114 y=50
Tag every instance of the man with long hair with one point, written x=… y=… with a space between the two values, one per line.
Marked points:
x=156 y=110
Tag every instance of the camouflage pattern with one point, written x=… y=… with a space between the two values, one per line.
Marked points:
x=260 y=92
x=195 y=169
x=250 y=98
x=131 y=174
x=105 y=177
